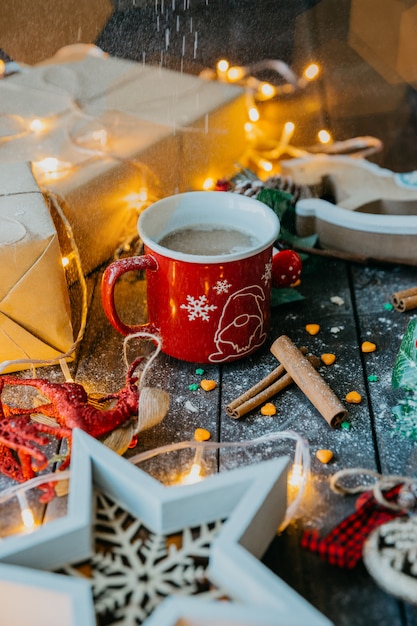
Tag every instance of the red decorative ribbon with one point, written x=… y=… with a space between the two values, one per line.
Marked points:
x=343 y=545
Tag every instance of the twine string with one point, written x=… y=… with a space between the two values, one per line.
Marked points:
x=156 y=339
x=380 y=483
x=153 y=402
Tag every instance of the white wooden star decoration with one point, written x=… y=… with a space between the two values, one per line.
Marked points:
x=43 y=599
x=179 y=611
x=133 y=568
x=252 y=499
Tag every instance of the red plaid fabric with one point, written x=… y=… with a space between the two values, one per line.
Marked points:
x=343 y=545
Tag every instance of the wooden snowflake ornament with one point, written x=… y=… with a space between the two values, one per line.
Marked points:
x=390 y=555
x=251 y=499
x=134 y=568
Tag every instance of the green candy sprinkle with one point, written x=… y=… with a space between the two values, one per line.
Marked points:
x=193 y=387
x=388 y=306
x=373 y=378
x=345 y=425
x=199 y=371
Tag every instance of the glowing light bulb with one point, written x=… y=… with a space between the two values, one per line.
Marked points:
x=51 y=168
x=312 y=71
x=193 y=476
x=28 y=519
x=289 y=128
x=37 y=125
x=253 y=114
x=208 y=184
x=25 y=512
x=2 y=67
x=324 y=136
x=265 y=165
x=296 y=476
x=49 y=164
x=286 y=135
x=235 y=73
x=66 y=260
x=143 y=195
x=223 y=65
x=136 y=200
x=267 y=90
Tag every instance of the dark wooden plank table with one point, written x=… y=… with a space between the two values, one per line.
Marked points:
x=351 y=99
x=345 y=596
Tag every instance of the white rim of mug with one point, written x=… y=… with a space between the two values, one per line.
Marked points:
x=153 y=246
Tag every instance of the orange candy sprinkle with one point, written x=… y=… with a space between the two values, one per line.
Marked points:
x=324 y=456
x=353 y=397
x=208 y=385
x=268 y=409
x=368 y=346
x=328 y=358
x=201 y=434
x=312 y=329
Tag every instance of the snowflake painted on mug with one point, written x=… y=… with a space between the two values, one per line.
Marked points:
x=267 y=275
x=222 y=286
x=198 y=308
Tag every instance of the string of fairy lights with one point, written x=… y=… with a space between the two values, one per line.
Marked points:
x=265 y=161
x=186 y=475
x=257 y=91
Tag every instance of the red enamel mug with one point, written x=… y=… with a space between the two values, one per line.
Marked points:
x=209 y=298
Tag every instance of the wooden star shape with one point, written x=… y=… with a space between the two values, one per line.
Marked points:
x=252 y=499
x=178 y=610
x=43 y=598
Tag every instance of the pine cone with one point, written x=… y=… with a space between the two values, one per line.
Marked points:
x=248 y=187
x=251 y=187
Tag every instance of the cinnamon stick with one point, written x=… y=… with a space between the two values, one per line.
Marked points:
x=309 y=381
x=269 y=386
x=257 y=388
x=250 y=404
x=405 y=300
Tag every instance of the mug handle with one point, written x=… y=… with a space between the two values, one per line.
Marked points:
x=110 y=277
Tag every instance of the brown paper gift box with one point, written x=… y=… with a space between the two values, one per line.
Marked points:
x=120 y=128
x=35 y=319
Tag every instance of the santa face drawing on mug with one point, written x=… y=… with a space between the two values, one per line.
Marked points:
x=251 y=322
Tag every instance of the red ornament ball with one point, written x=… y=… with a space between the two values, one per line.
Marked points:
x=223 y=185
x=286 y=268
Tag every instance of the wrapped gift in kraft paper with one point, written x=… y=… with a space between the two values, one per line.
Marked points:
x=35 y=318
x=108 y=136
